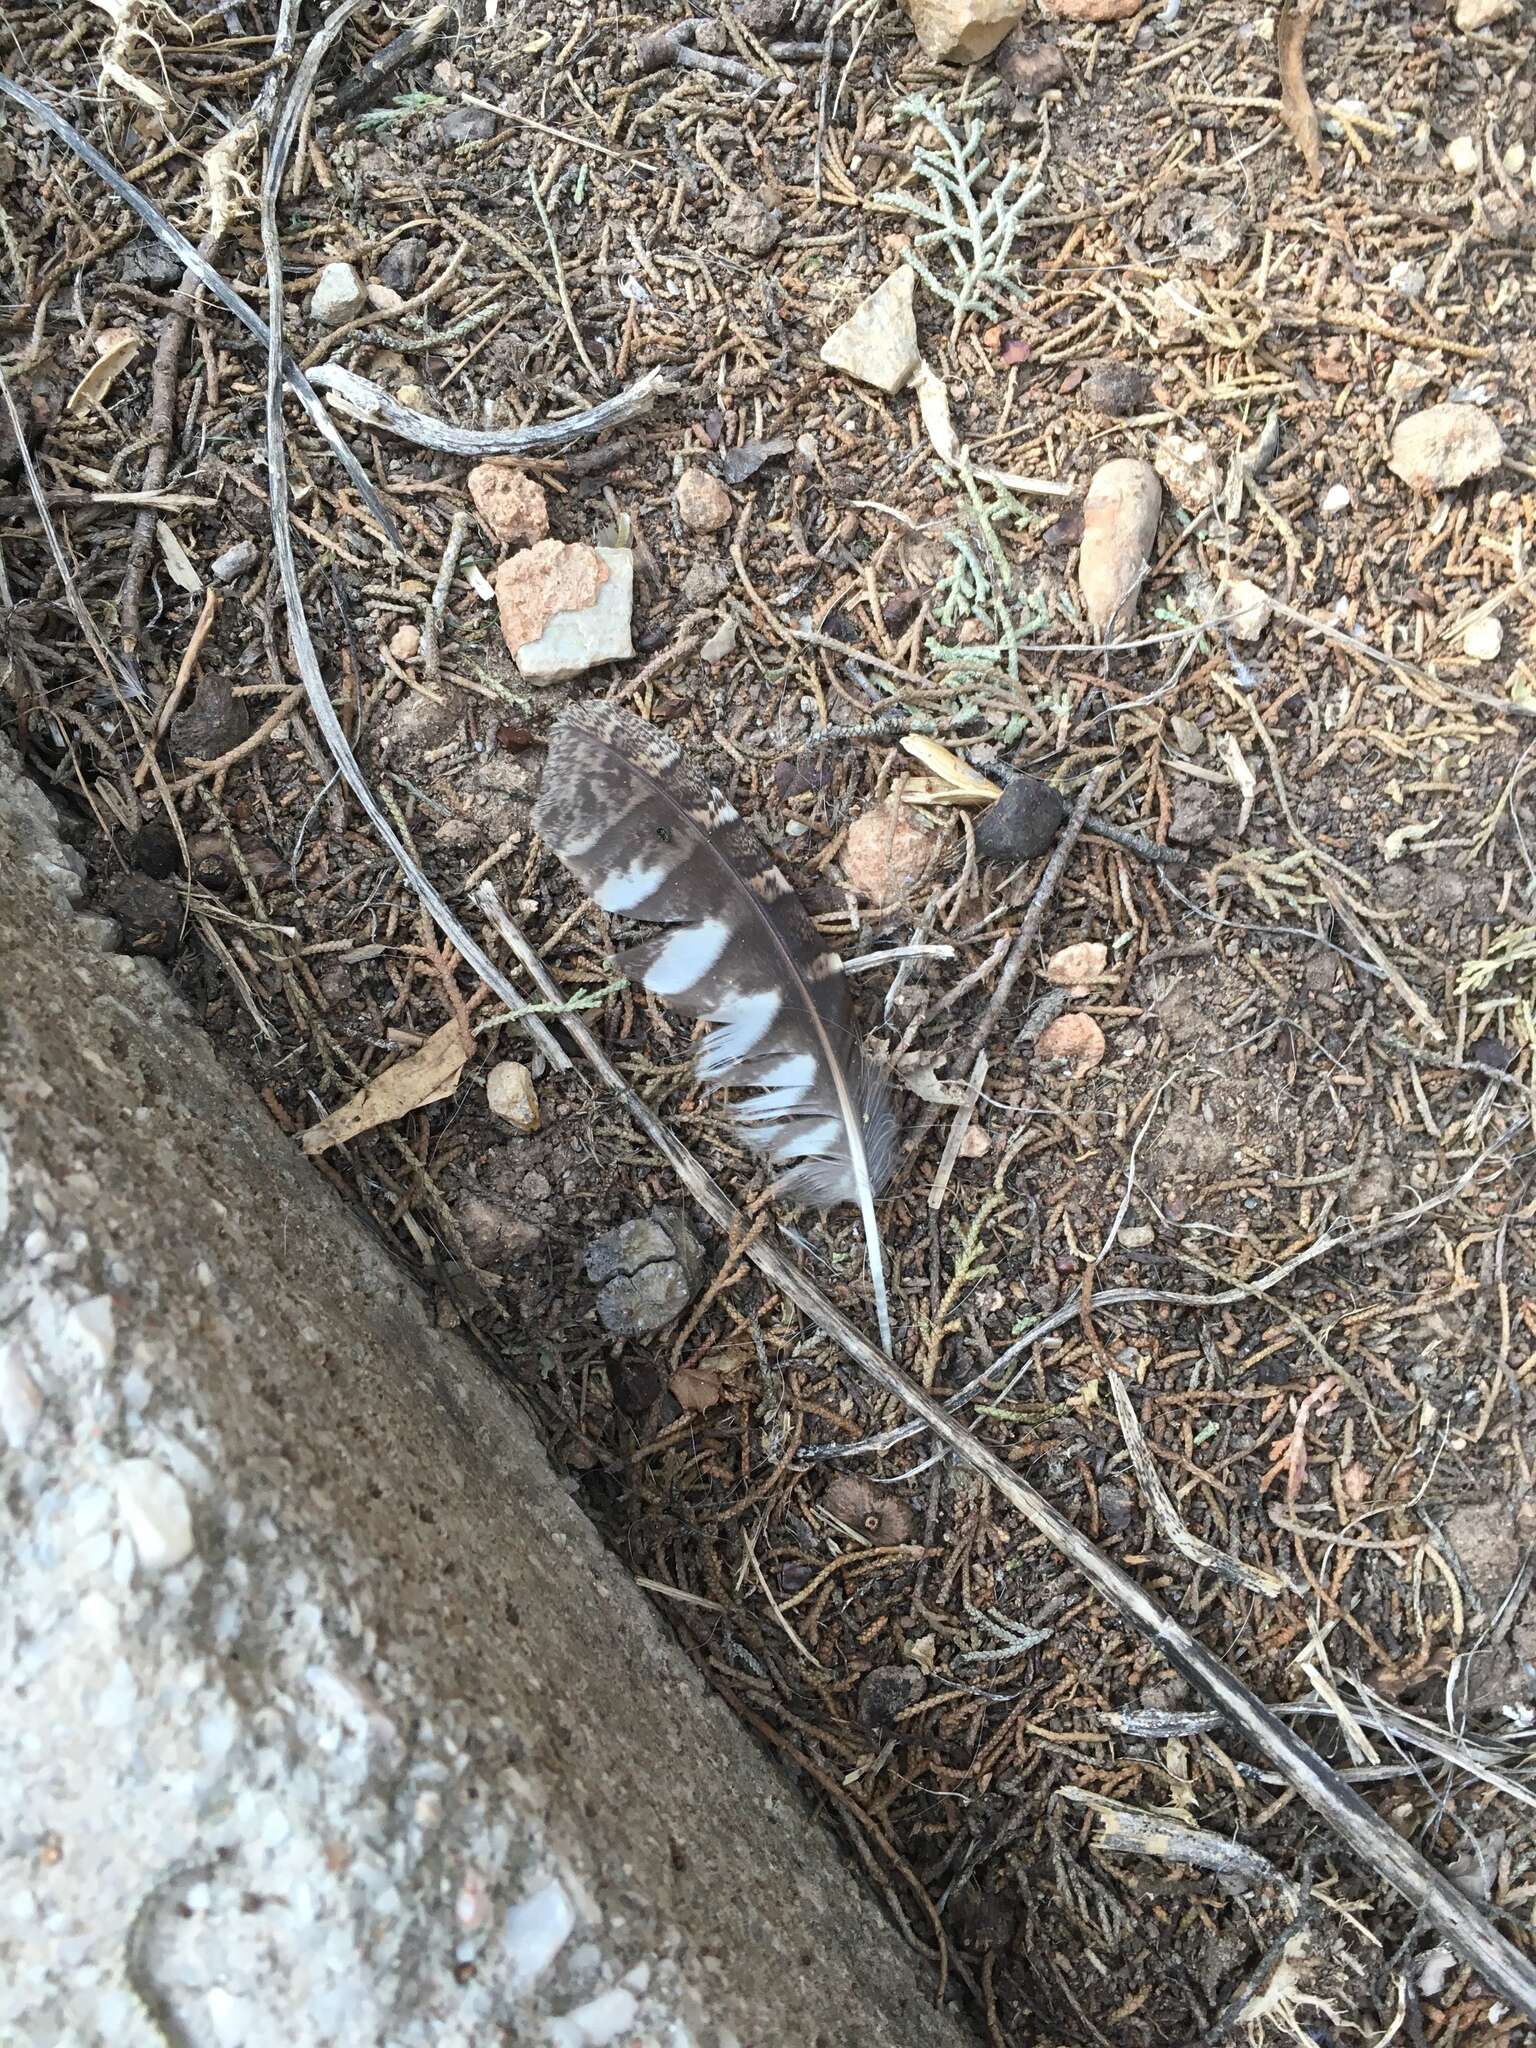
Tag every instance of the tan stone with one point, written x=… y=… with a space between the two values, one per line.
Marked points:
x=1444 y=446
x=887 y=853
x=1471 y=15
x=1074 y=1037
x=877 y=343
x=1483 y=640
x=511 y=507
x=1245 y=609
x=1077 y=967
x=405 y=642
x=1189 y=469
x=1120 y=517
x=509 y=1095
x=960 y=31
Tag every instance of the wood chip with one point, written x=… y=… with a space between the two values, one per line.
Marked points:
x=1296 y=108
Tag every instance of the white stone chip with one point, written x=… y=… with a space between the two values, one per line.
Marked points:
x=155 y=1508
x=88 y=1334
x=594 y=2025
x=537 y=1930
x=20 y=1401
x=1482 y=640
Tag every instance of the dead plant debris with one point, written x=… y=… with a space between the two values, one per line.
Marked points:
x=1280 y=245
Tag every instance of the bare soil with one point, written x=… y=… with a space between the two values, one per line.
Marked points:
x=1321 y=1018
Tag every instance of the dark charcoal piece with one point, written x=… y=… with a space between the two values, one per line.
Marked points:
x=1488 y=1052
x=147 y=261
x=215 y=721
x=1117 y=389
x=1023 y=821
x=887 y=1691
x=155 y=851
x=402 y=263
x=737 y=464
x=149 y=916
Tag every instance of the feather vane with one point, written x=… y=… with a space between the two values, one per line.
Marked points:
x=648 y=838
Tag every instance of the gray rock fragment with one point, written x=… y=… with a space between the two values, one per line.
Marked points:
x=339 y=296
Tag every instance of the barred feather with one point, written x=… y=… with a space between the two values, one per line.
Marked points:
x=648 y=838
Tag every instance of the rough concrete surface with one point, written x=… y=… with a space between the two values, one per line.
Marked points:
x=324 y=1718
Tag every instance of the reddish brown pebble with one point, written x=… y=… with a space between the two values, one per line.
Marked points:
x=511 y=507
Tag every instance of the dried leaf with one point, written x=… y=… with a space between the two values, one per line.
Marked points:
x=933 y=404
x=1074 y=1037
x=178 y=562
x=1242 y=775
x=1296 y=108
x=915 y=1072
x=1077 y=966
x=424 y=1076
x=116 y=348
x=965 y=785
x=874 y=1511
x=696 y=1388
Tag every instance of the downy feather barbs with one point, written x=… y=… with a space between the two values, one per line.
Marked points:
x=648 y=838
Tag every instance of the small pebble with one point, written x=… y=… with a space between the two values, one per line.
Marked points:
x=466 y=124
x=566 y=607
x=886 y=1691
x=536 y=1931
x=596 y=2024
x=339 y=296
x=1408 y=278
x=1031 y=66
x=405 y=642
x=703 y=502
x=1336 y=498
x=402 y=263
x=154 y=1507
x=235 y=561
x=962 y=31
x=887 y=853
x=1461 y=155
x=1483 y=640
x=749 y=225
x=646 y=1271
x=21 y=1403
x=1117 y=389
x=1245 y=609
x=509 y=1094
x=721 y=644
